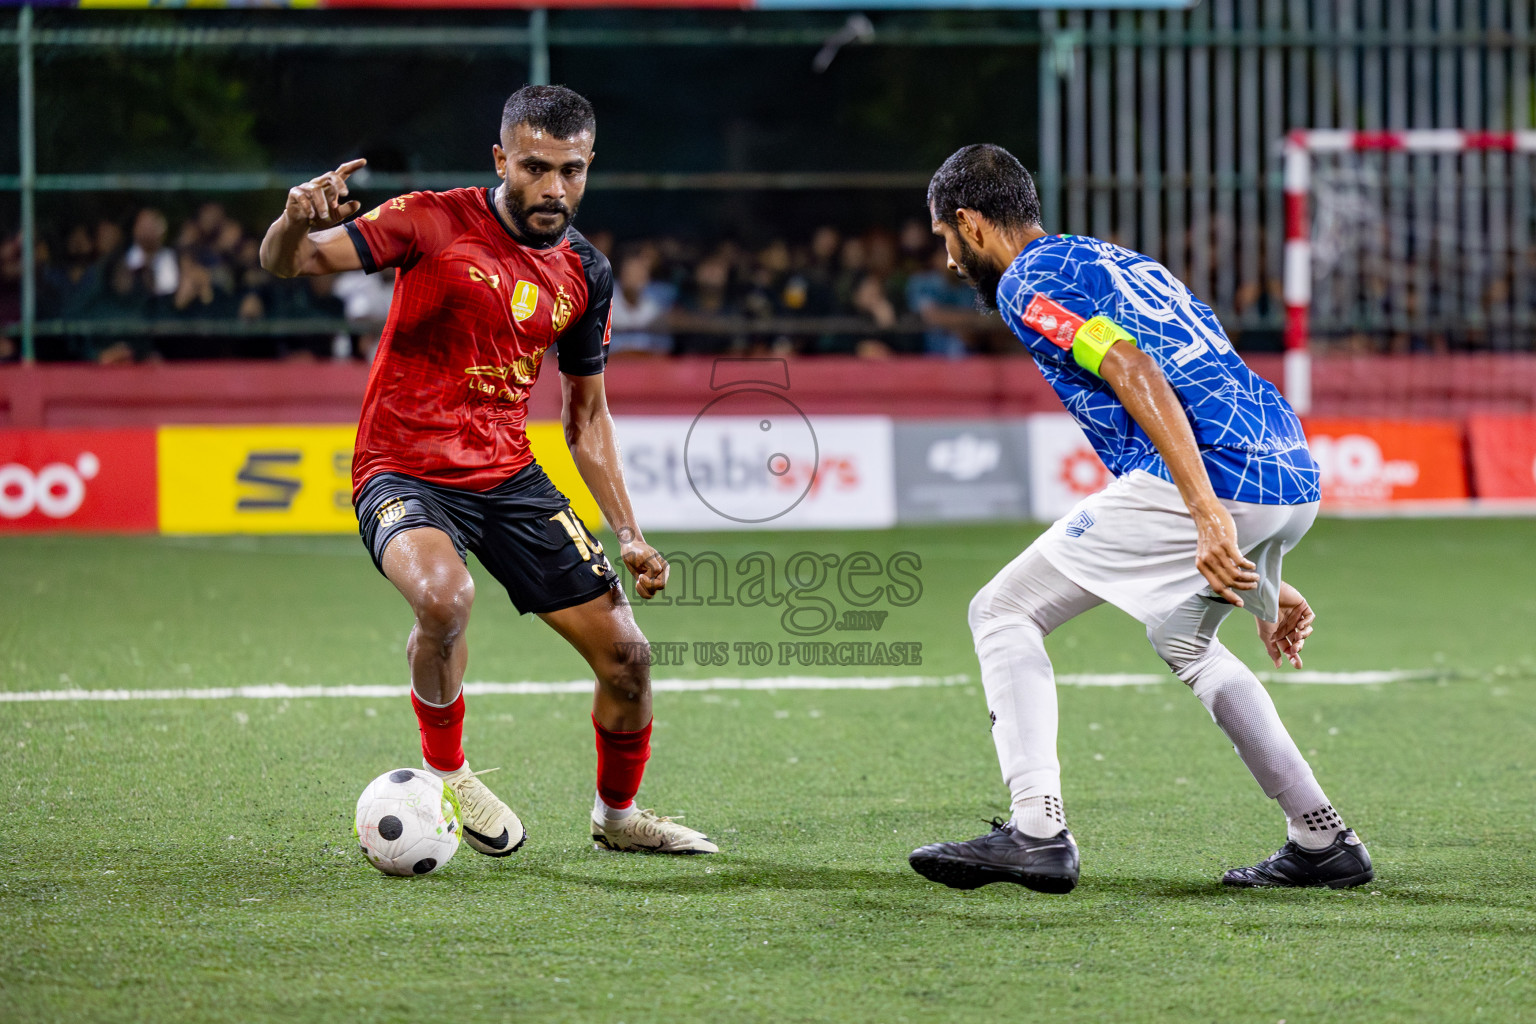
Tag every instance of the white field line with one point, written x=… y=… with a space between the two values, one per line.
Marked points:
x=283 y=691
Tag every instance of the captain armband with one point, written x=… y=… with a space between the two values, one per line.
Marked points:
x=1092 y=341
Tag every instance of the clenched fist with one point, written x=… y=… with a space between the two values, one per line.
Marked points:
x=649 y=568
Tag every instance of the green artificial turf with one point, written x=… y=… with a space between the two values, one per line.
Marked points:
x=192 y=860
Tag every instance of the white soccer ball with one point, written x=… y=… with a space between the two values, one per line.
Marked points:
x=407 y=822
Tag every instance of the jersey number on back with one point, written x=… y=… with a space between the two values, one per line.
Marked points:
x=1160 y=296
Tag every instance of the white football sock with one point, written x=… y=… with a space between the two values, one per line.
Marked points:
x=1238 y=702
x=1240 y=705
x=1310 y=820
x=1039 y=817
x=1021 y=695
x=601 y=811
x=442 y=774
x=1009 y=619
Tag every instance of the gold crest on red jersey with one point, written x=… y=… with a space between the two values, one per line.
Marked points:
x=525 y=299
x=392 y=511
x=564 y=307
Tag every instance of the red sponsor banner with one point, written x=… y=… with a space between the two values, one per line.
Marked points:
x=1372 y=462
x=1503 y=455
x=78 y=480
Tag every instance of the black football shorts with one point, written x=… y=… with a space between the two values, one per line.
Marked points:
x=523 y=530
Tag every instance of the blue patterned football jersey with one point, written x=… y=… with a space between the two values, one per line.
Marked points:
x=1250 y=439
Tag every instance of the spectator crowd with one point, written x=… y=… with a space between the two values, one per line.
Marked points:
x=202 y=296
x=202 y=293
x=134 y=290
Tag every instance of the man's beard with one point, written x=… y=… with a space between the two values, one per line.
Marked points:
x=519 y=216
x=984 y=277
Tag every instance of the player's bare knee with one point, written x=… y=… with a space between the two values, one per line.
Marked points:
x=626 y=679
x=442 y=609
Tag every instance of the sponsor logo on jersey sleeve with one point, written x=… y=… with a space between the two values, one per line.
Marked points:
x=397 y=203
x=1052 y=320
x=525 y=299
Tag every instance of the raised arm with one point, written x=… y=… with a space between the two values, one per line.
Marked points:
x=589 y=434
x=1148 y=397
x=308 y=239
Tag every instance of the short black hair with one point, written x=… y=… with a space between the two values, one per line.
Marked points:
x=555 y=109
x=989 y=180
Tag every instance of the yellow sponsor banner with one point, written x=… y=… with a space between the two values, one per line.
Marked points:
x=548 y=443
x=256 y=479
x=295 y=479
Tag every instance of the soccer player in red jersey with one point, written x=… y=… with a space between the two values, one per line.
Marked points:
x=488 y=280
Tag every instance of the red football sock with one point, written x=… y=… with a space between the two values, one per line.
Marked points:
x=442 y=732
x=621 y=758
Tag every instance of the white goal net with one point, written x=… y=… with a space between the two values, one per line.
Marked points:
x=1412 y=241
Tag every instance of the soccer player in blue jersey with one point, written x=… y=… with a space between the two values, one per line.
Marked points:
x=1213 y=485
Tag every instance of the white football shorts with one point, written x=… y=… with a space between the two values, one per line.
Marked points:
x=1133 y=545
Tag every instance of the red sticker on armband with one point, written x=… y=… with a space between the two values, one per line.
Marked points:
x=1054 y=321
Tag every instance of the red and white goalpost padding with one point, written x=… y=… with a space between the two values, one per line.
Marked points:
x=1300 y=145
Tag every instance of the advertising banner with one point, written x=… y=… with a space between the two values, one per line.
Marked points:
x=295 y=479
x=1374 y=462
x=1063 y=468
x=956 y=470
x=777 y=470
x=1503 y=455
x=256 y=479
x=59 y=480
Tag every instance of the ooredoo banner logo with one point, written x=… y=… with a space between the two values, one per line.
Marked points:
x=57 y=490
x=77 y=480
x=1371 y=462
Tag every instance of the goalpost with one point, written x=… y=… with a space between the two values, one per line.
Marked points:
x=1420 y=240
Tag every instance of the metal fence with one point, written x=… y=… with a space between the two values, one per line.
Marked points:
x=1163 y=130
x=1160 y=130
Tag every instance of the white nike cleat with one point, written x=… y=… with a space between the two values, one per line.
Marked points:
x=489 y=825
x=647 y=832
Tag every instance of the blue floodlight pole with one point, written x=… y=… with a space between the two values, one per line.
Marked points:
x=538 y=46
x=27 y=145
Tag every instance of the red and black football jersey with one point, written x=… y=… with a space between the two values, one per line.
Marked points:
x=473 y=312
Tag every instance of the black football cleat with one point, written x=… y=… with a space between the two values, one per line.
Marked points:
x=1341 y=865
x=1003 y=855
